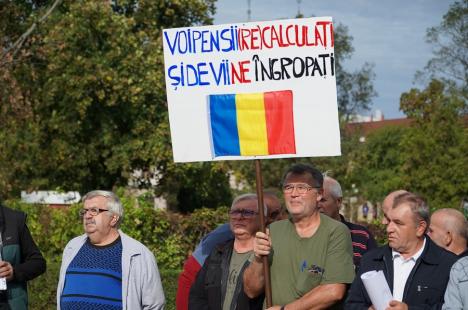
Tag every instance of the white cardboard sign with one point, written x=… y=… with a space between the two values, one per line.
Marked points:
x=256 y=57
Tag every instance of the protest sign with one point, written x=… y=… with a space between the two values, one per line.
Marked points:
x=252 y=90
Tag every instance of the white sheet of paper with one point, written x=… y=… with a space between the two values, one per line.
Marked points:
x=377 y=288
x=3 y=285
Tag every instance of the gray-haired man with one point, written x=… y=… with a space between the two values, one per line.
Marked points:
x=332 y=198
x=415 y=268
x=104 y=268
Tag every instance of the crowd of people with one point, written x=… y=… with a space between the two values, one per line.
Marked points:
x=315 y=257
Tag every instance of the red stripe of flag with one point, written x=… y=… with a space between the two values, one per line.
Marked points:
x=280 y=122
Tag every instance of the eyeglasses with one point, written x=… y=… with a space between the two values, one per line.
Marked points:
x=243 y=212
x=92 y=211
x=301 y=189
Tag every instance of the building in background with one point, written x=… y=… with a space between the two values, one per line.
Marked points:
x=51 y=198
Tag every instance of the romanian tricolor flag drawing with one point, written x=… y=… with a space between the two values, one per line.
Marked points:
x=252 y=124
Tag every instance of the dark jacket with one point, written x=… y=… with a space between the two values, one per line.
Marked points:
x=426 y=283
x=209 y=288
x=19 y=249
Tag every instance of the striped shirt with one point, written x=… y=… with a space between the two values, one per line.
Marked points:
x=362 y=239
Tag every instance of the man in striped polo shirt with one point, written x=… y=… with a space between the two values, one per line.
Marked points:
x=330 y=204
x=104 y=268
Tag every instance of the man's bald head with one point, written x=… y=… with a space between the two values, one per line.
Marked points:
x=448 y=229
x=387 y=203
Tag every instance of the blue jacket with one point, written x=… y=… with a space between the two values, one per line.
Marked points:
x=426 y=283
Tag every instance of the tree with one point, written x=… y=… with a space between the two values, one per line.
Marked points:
x=90 y=80
x=449 y=40
x=427 y=158
x=376 y=167
x=194 y=185
x=355 y=90
x=84 y=103
x=434 y=149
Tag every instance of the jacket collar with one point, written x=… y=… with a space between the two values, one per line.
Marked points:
x=428 y=256
x=221 y=247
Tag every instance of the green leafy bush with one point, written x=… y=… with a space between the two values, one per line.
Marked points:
x=378 y=230
x=170 y=236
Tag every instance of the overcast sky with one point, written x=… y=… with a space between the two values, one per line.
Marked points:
x=389 y=34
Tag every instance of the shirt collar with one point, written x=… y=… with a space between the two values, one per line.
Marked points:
x=416 y=255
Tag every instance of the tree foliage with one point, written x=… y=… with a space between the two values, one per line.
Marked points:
x=450 y=48
x=84 y=102
x=377 y=163
x=435 y=148
x=428 y=157
x=355 y=90
x=93 y=85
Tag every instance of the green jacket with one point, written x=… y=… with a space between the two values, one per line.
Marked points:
x=19 y=249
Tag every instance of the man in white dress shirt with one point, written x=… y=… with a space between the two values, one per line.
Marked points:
x=416 y=269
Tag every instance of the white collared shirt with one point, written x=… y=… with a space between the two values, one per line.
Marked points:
x=401 y=271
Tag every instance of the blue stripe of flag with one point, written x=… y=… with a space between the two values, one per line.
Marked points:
x=223 y=119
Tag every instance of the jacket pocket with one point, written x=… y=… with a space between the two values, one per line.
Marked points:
x=429 y=294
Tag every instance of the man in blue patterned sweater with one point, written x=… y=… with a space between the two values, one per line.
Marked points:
x=105 y=268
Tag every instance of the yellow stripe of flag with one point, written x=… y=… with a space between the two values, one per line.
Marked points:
x=251 y=124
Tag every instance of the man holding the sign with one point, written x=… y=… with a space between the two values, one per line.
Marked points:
x=260 y=90
x=310 y=254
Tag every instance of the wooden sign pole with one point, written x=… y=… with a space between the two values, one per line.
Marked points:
x=266 y=265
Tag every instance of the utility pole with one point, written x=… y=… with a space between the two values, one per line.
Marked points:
x=299 y=13
x=248 y=11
